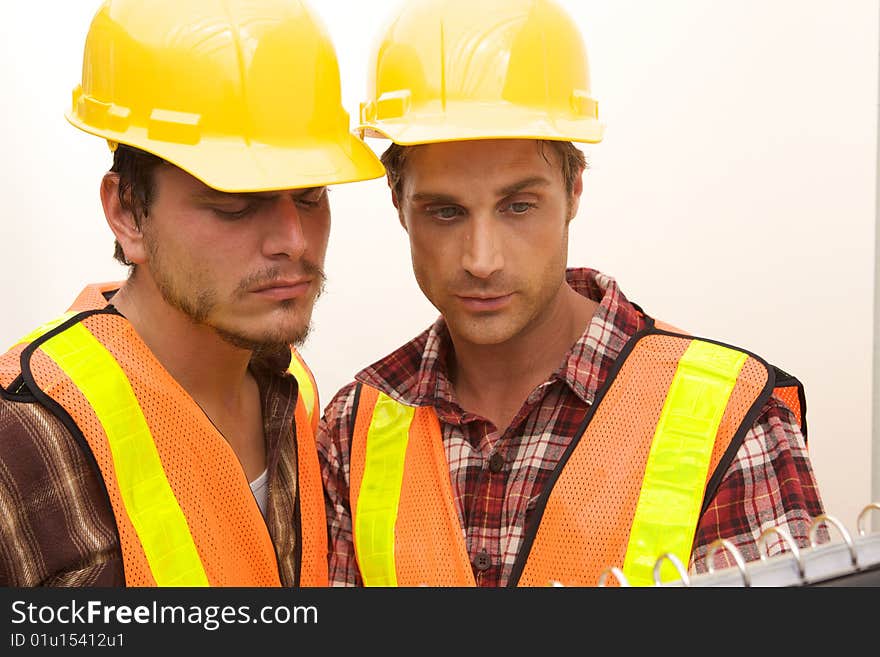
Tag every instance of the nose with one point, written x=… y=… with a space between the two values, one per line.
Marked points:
x=482 y=255
x=284 y=237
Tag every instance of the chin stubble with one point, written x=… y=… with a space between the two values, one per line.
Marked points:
x=199 y=307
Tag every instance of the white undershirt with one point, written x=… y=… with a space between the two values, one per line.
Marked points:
x=260 y=489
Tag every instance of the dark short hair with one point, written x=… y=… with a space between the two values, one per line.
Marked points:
x=572 y=159
x=136 y=189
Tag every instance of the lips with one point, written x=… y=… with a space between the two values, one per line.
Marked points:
x=284 y=289
x=485 y=302
x=282 y=283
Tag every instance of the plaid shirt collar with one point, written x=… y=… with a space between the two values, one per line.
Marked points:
x=416 y=373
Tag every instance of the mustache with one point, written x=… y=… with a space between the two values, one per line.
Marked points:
x=468 y=285
x=271 y=274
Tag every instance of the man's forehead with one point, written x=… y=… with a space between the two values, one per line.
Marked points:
x=499 y=154
x=434 y=190
x=502 y=166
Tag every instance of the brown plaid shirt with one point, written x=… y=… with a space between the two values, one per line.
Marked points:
x=56 y=524
x=769 y=483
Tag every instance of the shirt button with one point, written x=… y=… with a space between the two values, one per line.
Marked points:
x=496 y=463
x=483 y=561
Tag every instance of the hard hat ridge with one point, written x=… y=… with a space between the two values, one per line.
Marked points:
x=514 y=69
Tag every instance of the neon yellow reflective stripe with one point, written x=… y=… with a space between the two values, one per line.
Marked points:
x=304 y=382
x=379 y=493
x=149 y=501
x=45 y=328
x=675 y=475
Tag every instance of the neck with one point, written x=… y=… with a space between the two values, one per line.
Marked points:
x=210 y=369
x=213 y=372
x=494 y=380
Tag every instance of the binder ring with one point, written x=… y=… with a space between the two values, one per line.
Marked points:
x=789 y=541
x=682 y=573
x=863 y=513
x=719 y=543
x=617 y=572
x=825 y=517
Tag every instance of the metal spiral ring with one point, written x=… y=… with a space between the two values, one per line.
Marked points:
x=818 y=520
x=617 y=572
x=682 y=571
x=875 y=506
x=789 y=541
x=720 y=543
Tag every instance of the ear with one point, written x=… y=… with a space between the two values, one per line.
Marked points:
x=576 y=191
x=121 y=221
x=396 y=202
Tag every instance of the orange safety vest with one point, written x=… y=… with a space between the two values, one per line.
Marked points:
x=631 y=487
x=184 y=511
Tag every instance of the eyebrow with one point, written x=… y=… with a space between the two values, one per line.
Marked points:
x=435 y=197
x=534 y=181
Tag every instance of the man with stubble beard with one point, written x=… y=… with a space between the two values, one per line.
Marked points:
x=161 y=432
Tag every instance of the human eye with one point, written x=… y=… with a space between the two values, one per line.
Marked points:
x=519 y=207
x=444 y=212
x=312 y=198
x=233 y=212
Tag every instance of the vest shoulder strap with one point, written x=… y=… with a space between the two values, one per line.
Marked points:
x=90 y=298
x=11 y=381
x=405 y=522
x=790 y=391
x=158 y=456
x=664 y=425
x=709 y=381
x=787 y=388
x=308 y=389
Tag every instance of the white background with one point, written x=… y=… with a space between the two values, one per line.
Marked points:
x=733 y=195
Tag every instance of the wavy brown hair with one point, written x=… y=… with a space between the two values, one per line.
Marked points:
x=136 y=186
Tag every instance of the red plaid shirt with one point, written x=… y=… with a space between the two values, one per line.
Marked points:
x=769 y=483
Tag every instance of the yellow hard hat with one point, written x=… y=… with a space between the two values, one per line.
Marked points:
x=242 y=94
x=450 y=70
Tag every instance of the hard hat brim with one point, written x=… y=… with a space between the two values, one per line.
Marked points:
x=468 y=124
x=233 y=165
